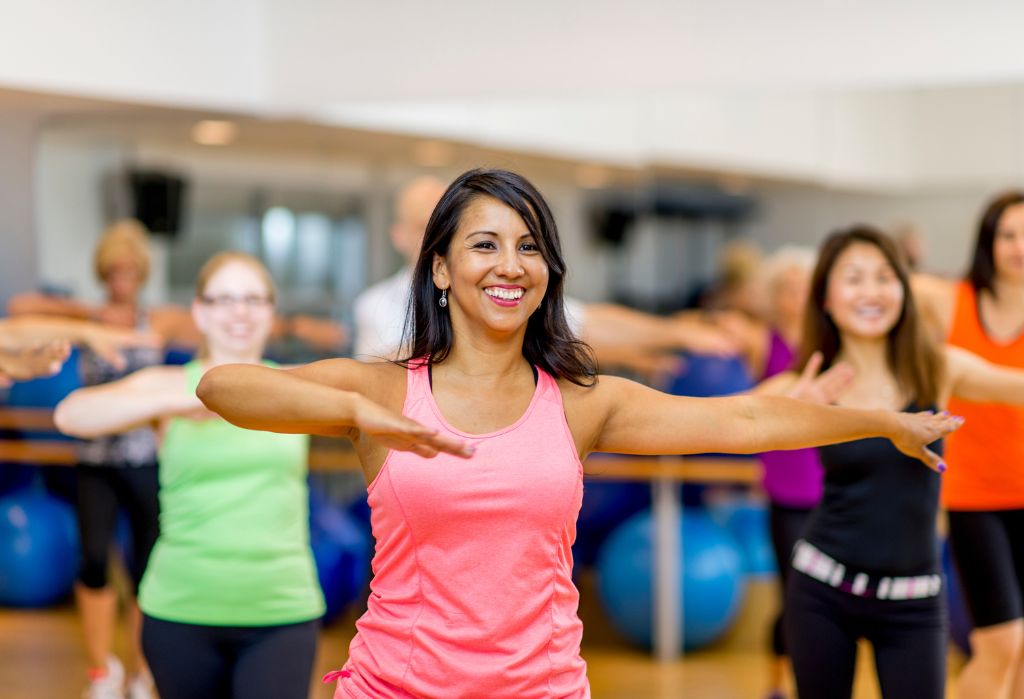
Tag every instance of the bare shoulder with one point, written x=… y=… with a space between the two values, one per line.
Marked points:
x=587 y=408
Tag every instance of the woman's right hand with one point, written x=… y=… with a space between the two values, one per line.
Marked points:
x=915 y=431
x=395 y=431
x=34 y=361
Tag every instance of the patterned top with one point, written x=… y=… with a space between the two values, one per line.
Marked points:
x=134 y=448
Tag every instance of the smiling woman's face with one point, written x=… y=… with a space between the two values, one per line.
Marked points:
x=864 y=295
x=494 y=272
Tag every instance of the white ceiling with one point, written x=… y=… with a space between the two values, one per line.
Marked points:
x=842 y=93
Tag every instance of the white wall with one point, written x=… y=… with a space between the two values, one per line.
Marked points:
x=947 y=218
x=19 y=261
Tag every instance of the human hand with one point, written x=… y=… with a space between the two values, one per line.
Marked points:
x=915 y=431
x=107 y=342
x=32 y=362
x=824 y=388
x=396 y=431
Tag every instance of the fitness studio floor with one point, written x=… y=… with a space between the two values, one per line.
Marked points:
x=41 y=657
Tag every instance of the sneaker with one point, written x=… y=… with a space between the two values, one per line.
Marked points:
x=108 y=686
x=103 y=688
x=140 y=687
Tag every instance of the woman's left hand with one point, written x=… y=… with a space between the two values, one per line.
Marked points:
x=915 y=431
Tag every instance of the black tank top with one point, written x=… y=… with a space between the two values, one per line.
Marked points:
x=877 y=514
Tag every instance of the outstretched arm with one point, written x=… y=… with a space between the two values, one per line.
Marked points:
x=324 y=398
x=936 y=299
x=974 y=378
x=30 y=330
x=640 y=420
x=35 y=303
x=137 y=400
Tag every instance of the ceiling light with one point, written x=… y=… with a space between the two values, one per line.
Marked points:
x=213 y=132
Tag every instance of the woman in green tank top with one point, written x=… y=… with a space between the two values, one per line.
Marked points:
x=230 y=596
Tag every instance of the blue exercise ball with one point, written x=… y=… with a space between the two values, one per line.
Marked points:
x=16 y=477
x=606 y=505
x=711 y=589
x=960 y=625
x=341 y=550
x=747 y=521
x=47 y=392
x=39 y=551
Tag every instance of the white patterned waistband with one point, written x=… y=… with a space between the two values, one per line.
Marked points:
x=812 y=561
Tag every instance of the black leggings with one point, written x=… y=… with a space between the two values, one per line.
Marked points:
x=189 y=661
x=787 y=527
x=823 y=625
x=101 y=489
x=988 y=549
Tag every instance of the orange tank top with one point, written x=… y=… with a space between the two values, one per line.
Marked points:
x=986 y=455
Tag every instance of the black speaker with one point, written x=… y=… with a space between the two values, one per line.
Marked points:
x=158 y=200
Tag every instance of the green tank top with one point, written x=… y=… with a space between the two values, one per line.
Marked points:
x=234 y=547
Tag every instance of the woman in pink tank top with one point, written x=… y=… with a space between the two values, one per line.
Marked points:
x=473 y=448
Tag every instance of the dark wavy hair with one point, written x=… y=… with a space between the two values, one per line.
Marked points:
x=983 y=266
x=913 y=357
x=549 y=343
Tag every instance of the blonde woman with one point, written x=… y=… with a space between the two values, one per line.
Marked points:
x=230 y=596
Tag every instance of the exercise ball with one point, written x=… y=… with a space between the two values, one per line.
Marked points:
x=711 y=584
x=39 y=550
x=960 y=625
x=47 y=392
x=606 y=504
x=747 y=521
x=15 y=477
x=341 y=550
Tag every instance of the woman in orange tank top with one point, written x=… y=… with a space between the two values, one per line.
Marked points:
x=984 y=488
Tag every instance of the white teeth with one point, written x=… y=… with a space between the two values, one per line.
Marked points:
x=504 y=294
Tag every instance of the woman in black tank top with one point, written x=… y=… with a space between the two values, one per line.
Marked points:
x=867 y=566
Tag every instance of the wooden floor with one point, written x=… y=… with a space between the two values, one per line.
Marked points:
x=41 y=657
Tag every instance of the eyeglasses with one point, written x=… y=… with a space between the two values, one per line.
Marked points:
x=229 y=301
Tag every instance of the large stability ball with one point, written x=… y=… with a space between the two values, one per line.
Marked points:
x=960 y=625
x=341 y=550
x=606 y=504
x=747 y=521
x=712 y=583
x=46 y=393
x=39 y=550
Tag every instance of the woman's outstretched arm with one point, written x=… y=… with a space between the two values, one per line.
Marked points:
x=137 y=400
x=974 y=378
x=639 y=420
x=324 y=398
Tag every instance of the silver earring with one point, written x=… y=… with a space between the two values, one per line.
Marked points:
x=443 y=301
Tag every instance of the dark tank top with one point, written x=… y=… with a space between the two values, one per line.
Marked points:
x=877 y=513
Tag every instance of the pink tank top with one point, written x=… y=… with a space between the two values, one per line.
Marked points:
x=472 y=594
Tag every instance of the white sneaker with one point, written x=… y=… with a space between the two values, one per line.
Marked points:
x=140 y=687
x=108 y=686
